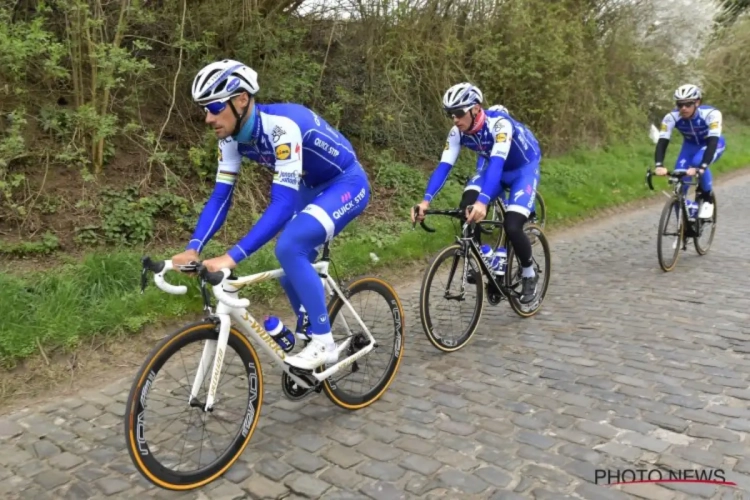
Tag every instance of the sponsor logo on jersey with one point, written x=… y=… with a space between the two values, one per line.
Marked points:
x=713 y=126
x=349 y=204
x=283 y=151
x=326 y=147
x=663 y=127
x=287 y=177
x=447 y=145
x=501 y=137
x=277 y=132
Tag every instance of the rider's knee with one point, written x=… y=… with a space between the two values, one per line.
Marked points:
x=468 y=198
x=286 y=247
x=514 y=222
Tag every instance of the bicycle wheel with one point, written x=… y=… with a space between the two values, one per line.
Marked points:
x=707 y=227
x=151 y=449
x=456 y=278
x=513 y=273
x=383 y=315
x=671 y=211
x=540 y=211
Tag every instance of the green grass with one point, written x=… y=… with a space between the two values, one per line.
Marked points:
x=582 y=182
x=100 y=294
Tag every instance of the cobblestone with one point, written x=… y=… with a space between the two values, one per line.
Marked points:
x=624 y=366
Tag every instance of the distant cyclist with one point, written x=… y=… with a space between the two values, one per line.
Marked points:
x=508 y=157
x=318 y=188
x=700 y=126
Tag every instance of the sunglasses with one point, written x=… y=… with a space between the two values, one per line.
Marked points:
x=685 y=104
x=216 y=107
x=458 y=112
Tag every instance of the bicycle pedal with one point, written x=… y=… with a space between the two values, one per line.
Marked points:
x=301 y=373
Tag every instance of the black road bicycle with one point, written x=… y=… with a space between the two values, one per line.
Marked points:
x=475 y=278
x=675 y=226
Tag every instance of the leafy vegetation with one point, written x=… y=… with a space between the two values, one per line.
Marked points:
x=102 y=150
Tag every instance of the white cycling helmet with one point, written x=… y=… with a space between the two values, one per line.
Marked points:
x=222 y=79
x=462 y=95
x=687 y=93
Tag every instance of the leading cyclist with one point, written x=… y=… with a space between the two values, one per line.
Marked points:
x=318 y=188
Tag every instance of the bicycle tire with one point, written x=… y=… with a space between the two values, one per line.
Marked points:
x=515 y=302
x=424 y=300
x=696 y=239
x=540 y=210
x=357 y=401
x=669 y=206
x=138 y=448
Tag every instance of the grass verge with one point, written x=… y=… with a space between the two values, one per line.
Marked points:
x=99 y=294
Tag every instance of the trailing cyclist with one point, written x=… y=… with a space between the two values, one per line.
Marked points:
x=700 y=126
x=318 y=188
x=508 y=158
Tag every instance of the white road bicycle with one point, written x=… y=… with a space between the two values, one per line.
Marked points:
x=195 y=397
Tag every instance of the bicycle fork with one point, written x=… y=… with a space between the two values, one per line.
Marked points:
x=212 y=349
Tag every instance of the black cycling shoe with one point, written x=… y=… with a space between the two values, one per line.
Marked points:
x=529 y=289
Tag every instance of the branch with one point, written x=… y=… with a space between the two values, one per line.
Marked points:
x=176 y=76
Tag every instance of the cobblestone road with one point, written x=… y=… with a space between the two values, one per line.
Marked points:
x=626 y=366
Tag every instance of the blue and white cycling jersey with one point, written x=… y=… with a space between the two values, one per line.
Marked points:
x=706 y=122
x=277 y=136
x=503 y=145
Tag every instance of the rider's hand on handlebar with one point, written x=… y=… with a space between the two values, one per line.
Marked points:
x=185 y=259
x=476 y=212
x=660 y=171
x=424 y=205
x=691 y=171
x=219 y=263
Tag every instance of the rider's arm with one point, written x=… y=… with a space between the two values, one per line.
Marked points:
x=284 y=193
x=665 y=133
x=712 y=141
x=447 y=160
x=503 y=132
x=215 y=212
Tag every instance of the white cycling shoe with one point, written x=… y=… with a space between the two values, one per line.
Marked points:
x=316 y=354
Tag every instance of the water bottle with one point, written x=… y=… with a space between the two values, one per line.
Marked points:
x=280 y=333
x=486 y=252
x=498 y=261
x=692 y=209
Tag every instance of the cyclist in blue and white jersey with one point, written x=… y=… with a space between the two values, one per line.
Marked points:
x=318 y=188
x=703 y=144
x=508 y=157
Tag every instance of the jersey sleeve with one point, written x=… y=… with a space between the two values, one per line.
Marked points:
x=667 y=124
x=215 y=211
x=279 y=211
x=452 y=147
x=447 y=160
x=503 y=134
x=713 y=120
x=288 y=151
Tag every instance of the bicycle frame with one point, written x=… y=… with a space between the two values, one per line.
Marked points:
x=231 y=309
x=677 y=182
x=465 y=240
